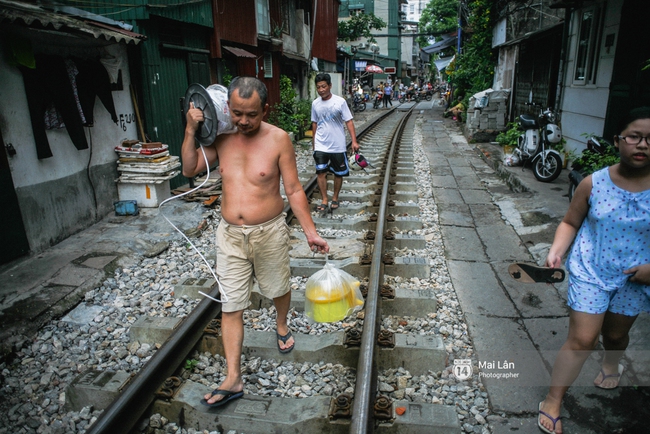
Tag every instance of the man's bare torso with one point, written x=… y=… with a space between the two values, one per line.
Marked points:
x=250 y=174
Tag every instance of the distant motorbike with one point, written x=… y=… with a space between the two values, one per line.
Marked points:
x=358 y=104
x=376 y=103
x=596 y=146
x=534 y=144
x=416 y=97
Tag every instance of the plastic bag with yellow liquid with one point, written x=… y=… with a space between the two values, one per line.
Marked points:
x=331 y=295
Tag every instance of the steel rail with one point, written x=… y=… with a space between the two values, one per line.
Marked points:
x=125 y=411
x=365 y=388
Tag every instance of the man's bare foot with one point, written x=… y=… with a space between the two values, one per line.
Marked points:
x=231 y=386
x=548 y=419
x=607 y=378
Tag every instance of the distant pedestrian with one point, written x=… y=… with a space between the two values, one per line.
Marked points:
x=388 y=95
x=609 y=264
x=329 y=113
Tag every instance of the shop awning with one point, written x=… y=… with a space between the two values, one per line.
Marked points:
x=239 y=52
x=443 y=63
x=446 y=42
x=37 y=18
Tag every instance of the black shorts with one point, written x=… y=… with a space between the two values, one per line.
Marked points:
x=337 y=163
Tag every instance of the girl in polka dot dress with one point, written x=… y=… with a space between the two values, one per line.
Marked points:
x=609 y=264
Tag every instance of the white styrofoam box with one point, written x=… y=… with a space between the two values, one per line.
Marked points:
x=148 y=195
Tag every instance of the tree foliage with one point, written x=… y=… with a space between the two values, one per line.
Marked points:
x=473 y=70
x=359 y=26
x=438 y=17
x=291 y=114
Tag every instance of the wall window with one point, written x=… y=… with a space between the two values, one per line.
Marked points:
x=588 y=41
x=263 y=21
x=288 y=10
x=268 y=65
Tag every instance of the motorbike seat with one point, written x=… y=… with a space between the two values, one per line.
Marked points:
x=527 y=121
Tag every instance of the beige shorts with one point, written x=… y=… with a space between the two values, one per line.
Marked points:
x=259 y=251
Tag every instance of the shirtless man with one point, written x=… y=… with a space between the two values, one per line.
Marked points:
x=252 y=238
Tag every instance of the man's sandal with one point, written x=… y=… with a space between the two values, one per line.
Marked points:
x=531 y=273
x=284 y=340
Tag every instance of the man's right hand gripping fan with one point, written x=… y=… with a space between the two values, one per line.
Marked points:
x=331 y=295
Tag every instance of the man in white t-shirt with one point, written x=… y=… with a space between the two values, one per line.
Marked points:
x=328 y=114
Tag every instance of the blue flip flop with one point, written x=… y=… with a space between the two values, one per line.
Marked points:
x=227 y=397
x=284 y=340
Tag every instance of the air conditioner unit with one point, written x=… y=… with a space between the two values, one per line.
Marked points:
x=362 y=46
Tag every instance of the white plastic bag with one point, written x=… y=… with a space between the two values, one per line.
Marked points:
x=510 y=160
x=219 y=95
x=331 y=295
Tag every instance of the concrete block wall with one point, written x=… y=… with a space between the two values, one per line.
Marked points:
x=491 y=118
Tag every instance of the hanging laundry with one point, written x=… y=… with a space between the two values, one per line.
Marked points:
x=49 y=83
x=93 y=81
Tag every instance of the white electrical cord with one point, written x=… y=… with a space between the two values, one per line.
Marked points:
x=224 y=297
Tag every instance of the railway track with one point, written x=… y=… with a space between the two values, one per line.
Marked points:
x=379 y=220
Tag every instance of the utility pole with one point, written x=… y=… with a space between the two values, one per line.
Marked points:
x=460 y=29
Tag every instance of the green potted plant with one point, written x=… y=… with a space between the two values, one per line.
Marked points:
x=590 y=160
x=276 y=31
x=508 y=138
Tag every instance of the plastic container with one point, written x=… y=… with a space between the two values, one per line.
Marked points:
x=147 y=195
x=323 y=305
x=331 y=295
x=126 y=207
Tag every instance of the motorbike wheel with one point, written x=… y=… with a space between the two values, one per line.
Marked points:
x=429 y=97
x=362 y=106
x=548 y=170
x=375 y=104
x=401 y=99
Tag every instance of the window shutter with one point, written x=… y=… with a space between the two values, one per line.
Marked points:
x=268 y=65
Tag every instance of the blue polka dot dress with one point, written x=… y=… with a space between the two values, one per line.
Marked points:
x=614 y=236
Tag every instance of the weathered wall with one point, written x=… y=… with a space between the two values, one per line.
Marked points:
x=56 y=194
x=584 y=106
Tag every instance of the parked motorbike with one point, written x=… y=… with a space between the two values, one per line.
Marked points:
x=376 y=103
x=358 y=104
x=597 y=146
x=428 y=94
x=534 y=144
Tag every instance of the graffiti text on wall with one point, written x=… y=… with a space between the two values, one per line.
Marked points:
x=126 y=119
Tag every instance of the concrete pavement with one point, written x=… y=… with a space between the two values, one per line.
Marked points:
x=517 y=328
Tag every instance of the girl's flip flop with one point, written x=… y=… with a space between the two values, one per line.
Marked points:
x=531 y=273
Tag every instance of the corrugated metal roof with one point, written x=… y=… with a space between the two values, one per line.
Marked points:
x=32 y=15
x=239 y=52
